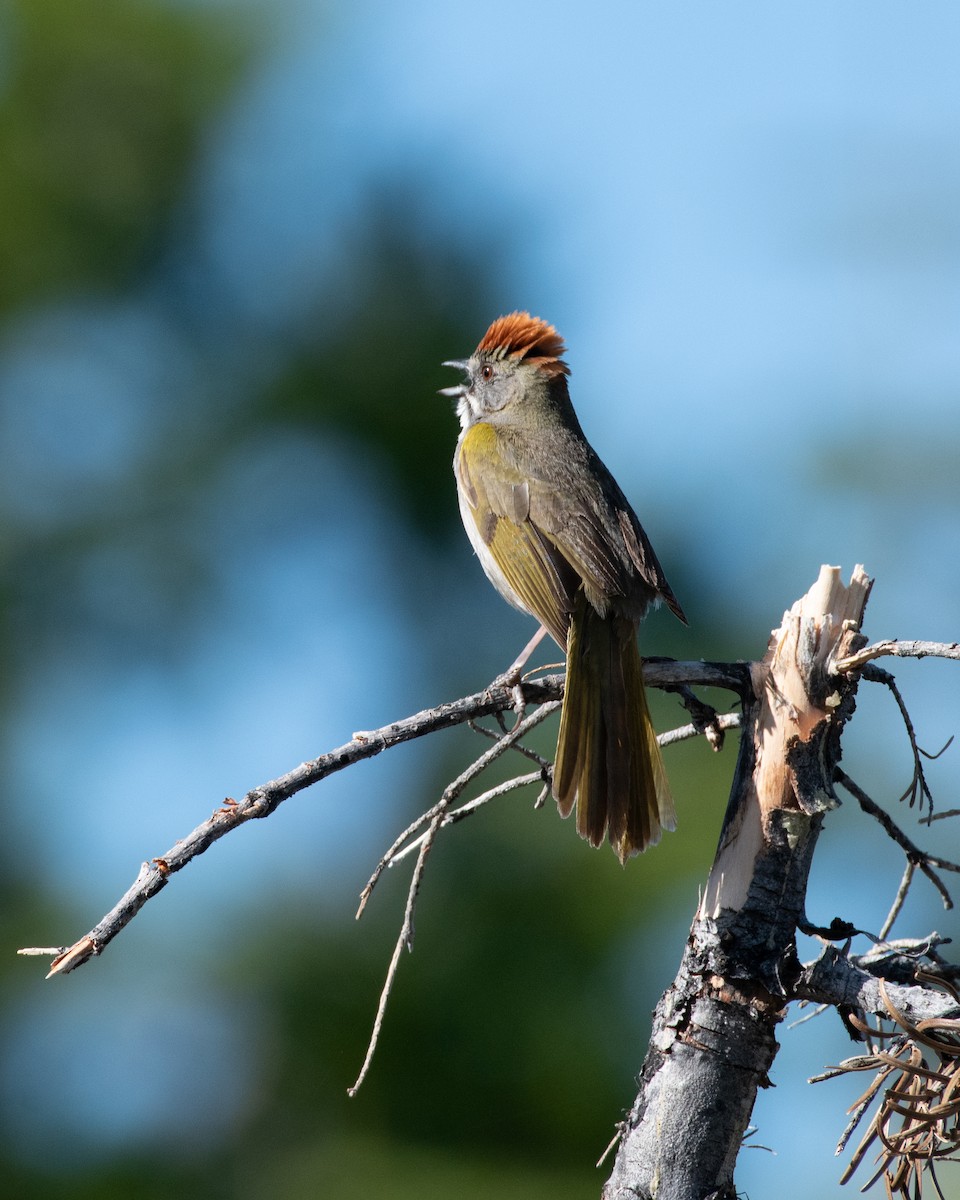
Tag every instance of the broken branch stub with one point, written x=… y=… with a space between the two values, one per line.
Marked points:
x=713 y=1038
x=800 y=709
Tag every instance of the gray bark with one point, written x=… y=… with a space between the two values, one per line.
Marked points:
x=713 y=1039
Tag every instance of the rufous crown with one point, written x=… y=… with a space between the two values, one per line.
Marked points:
x=520 y=336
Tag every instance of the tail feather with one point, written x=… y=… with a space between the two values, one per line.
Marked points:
x=608 y=762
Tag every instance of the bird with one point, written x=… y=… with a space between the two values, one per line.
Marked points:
x=558 y=539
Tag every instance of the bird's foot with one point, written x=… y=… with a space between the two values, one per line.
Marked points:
x=512 y=677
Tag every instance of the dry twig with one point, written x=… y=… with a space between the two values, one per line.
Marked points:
x=920 y=858
x=718 y=724
x=414 y=837
x=898 y=649
x=917 y=790
x=435 y=819
x=917 y=1123
x=438 y=813
x=898 y=900
x=474 y=805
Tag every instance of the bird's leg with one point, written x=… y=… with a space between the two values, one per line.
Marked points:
x=511 y=676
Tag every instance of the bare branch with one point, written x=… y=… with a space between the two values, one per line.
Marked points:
x=440 y=816
x=472 y=806
x=926 y=862
x=917 y=1123
x=507 y=742
x=898 y=649
x=917 y=791
x=898 y=900
x=424 y=843
x=399 y=851
x=841 y=981
x=721 y=721
x=264 y=800
x=704 y=715
x=437 y=818
x=683 y=733
x=543 y=763
x=405 y=938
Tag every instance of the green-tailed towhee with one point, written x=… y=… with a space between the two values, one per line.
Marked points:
x=558 y=540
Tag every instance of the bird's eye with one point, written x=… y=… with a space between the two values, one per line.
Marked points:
x=486 y=373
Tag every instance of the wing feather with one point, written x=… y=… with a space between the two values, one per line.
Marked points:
x=499 y=503
x=547 y=536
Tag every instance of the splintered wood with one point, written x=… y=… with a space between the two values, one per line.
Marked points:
x=798 y=699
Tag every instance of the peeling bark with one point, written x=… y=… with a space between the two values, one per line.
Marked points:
x=713 y=1039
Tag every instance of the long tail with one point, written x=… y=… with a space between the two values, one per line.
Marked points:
x=608 y=761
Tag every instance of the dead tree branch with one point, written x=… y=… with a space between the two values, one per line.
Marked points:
x=436 y=816
x=898 y=649
x=917 y=791
x=260 y=802
x=916 y=1067
x=713 y=1036
x=434 y=820
x=914 y=855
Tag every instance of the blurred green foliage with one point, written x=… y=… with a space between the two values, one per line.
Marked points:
x=515 y=1031
x=373 y=373
x=100 y=115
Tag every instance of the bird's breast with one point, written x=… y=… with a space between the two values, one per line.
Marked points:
x=475 y=460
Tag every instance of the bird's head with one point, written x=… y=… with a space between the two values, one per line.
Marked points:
x=517 y=367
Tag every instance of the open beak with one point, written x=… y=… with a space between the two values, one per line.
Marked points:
x=458 y=364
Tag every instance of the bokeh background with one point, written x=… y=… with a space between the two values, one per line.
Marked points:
x=236 y=241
